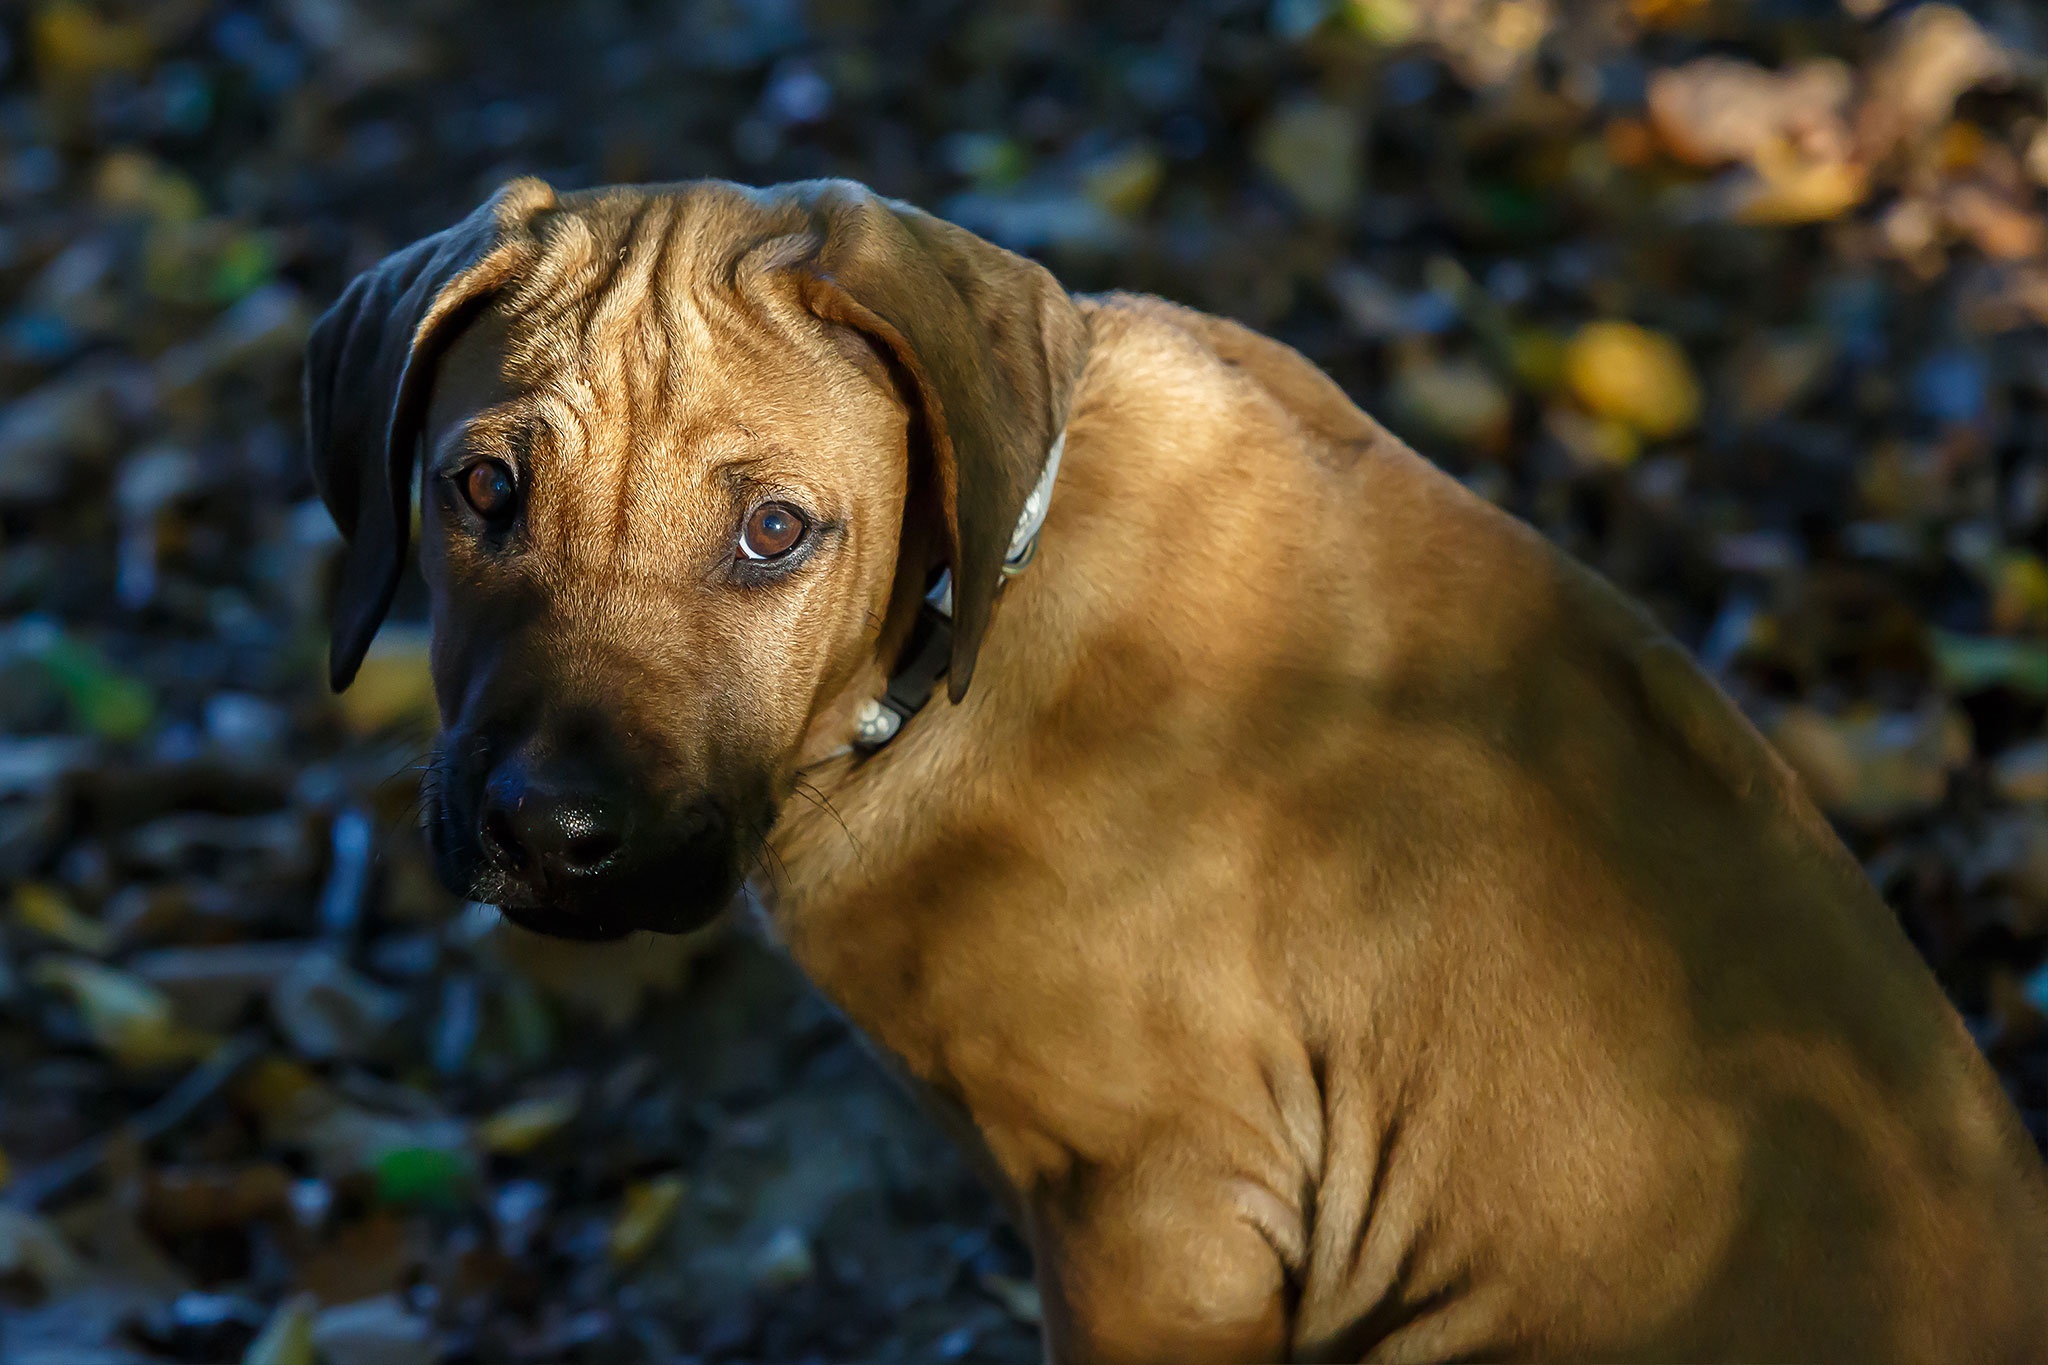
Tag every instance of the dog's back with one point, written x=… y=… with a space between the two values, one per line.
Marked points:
x=1622 y=1054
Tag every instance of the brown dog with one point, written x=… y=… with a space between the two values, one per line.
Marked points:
x=1346 y=928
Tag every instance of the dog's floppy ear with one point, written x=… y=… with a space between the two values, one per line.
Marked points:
x=370 y=366
x=991 y=347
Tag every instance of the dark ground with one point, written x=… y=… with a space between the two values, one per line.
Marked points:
x=259 y=1075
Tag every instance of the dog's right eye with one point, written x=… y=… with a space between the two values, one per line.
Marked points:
x=489 y=488
x=772 y=531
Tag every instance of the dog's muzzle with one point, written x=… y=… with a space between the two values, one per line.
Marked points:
x=564 y=849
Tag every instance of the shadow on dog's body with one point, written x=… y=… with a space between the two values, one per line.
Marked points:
x=1358 y=932
x=1346 y=928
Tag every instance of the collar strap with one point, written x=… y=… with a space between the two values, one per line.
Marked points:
x=930 y=646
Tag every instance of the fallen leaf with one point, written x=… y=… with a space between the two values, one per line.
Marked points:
x=1666 y=13
x=1594 y=443
x=422 y=1177
x=42 y=908
x=1314 y=150
x=1635 y=376
x=785 y=1259
x=1872 y=767
x=643 y=1214
x=1019 y=1298
x=126 y=1015
x=1995 y=222
x=184 y=1199
x=2021 y=772
x=287 y=1339
x=1456 y=399
x=1717 y=110
x=1125 y=181
x=1384 y=21
x=1933 y=54
x=374 y=1331
x=525 y=1124
x=1791 y=188
x=1972 y=663
x=72 y=43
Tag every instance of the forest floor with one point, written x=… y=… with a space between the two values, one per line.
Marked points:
x=1742 y=303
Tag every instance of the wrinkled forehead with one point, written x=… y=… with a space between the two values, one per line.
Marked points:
x=636 y=345
x=640 y=303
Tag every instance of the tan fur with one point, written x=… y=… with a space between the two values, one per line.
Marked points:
x=1348 y=929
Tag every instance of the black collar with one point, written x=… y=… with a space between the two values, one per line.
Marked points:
x=930 y=646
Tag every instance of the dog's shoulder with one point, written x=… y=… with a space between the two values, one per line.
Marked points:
x=1276 y=374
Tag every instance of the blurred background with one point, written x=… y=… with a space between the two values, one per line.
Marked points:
x=1742 y=303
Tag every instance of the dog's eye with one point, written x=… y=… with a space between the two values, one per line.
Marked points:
x=488 y=486
x=772 y=531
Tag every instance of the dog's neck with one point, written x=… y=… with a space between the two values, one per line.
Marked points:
x=860 y=790
x=922 y=663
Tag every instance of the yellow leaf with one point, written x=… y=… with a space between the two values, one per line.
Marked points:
x=525 y=1124
x=1634 y=376
x=1315 y=151
x=2020 y=594
x=42 y=907
x=272 y=1086
x=287 y=1339
x=1384 y=21
x=74 y=44
x=133 y=182
x=128 y=1017
x=1125 y=183
x=643 y=1214
x=1792 y=189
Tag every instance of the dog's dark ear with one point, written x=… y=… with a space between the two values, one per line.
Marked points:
x=991 y=347
x=370 y=366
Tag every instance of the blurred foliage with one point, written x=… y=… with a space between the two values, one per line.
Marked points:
x=1743 y=303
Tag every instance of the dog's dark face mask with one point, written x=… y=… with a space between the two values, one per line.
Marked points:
x=687 y=459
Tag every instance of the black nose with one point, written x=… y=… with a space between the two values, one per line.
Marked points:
x=541 y=827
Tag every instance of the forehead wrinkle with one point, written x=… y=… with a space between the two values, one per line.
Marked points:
x=752 y=375
x=589 y=374
x=676 y=311
x=655 y=396
x=752 y=321
x=633 y=339
x=562 y=467
x=662 y=513
x=608 y=306
x=568 y=267
x=615 y=304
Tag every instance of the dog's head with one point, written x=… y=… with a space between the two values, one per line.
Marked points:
x=688 y=458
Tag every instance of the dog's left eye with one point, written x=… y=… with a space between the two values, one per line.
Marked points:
x=773 y=529
x=488 y=487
